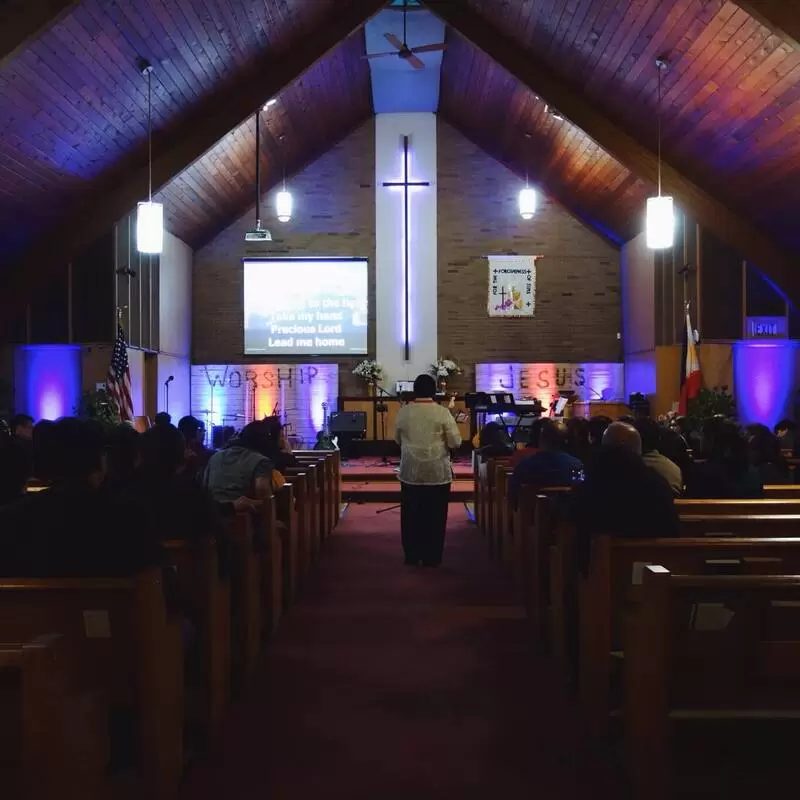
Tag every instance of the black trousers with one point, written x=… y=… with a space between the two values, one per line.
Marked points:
x=423 y=519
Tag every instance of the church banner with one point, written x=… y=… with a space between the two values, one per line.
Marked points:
x=512 y=286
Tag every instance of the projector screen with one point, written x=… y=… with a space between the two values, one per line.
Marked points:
x=297 y=306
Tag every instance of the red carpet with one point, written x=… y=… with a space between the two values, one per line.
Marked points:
x=389 y=682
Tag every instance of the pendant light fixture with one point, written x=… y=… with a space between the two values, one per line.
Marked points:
x=283 y=202
x=149 y=215
x=660 y=217
x=527 y=196
x=258 y=234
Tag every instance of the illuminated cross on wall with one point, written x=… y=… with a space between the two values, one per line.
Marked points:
x=405 y=184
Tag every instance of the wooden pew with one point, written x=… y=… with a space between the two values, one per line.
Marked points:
x=740 y=525
x=53 y=736
x=206 y=599
x=286 y=514
x=300 y=488
x=706 y=647
x=781 y=491
x=612 y=585
x=313 y=508
x=503 y=516
x=534 y=522
x=246 y=612
x=489 y=499
x=272 y=566
x=711 y=507
x=124 y=642
x=316 y=467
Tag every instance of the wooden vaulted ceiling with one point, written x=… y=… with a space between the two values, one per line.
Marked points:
x=73 y=108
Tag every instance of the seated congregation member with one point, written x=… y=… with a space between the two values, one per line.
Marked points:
x=531 y=446
x=182 y=508
x=765 y=455
x=578 y=437
x=673 y=446
x=16 y=467
x=162 y=418
x=426 y=432
x=621 y=495
x=726 y=471
x=493 y=442
x=123 y=457
x=650 y=432
x=21 y=426
x=197 y=454
x=72 y=529
x=551 y=465
x=241 y=476
x=278 y=449
x=594 y=433
x=785 y=431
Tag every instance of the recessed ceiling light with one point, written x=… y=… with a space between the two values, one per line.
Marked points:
x=271 y=102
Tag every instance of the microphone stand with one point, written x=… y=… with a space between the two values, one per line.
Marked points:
x=382 y=409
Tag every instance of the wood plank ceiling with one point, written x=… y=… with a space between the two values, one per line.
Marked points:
x=731 y=99
x=72 y=105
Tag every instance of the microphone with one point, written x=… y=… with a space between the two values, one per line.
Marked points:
x=169 y=380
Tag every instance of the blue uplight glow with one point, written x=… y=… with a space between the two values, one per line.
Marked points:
x=764 y=381
x=47 y=380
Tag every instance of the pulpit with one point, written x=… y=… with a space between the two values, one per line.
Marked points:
x=599 y=408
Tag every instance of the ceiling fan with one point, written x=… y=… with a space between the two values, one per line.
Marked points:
x=405 y=52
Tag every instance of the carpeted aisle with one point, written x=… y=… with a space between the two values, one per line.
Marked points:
x=397 y=683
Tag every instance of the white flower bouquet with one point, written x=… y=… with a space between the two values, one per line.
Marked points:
x=370 y=371
x=444 y=368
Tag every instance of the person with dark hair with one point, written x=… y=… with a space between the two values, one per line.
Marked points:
x=278 y=449
x=41 y=450
x=578 y=437
x=123 y=457
x=595 y=430
x=15 y=469
x=766 y=456
x=650 y=432
x=240 y=476
x=426 y=432
x=21 y=426
x=196 y=453
x=162 y=418
x=551 y=465
x=531 y=446
x=71 y=529
x=785 y=431
x=726 y=473
x=182 y=507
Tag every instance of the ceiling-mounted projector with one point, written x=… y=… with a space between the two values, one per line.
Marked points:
x=258 y=234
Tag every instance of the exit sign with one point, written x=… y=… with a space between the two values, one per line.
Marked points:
x=767 y=328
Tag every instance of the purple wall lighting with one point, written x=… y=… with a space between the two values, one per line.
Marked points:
x=47 y=380
x=764 y=381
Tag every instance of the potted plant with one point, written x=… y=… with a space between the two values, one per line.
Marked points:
x=442 y=370
x=371 y=372
x=98 y=404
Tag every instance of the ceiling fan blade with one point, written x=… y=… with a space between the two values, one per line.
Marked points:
x=429 y=48
x=393 y=40
x=415 y=62
x=380 y=55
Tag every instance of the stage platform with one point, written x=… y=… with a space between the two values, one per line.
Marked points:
x=367 y=480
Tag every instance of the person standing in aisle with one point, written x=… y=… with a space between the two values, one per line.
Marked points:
x=426 y=432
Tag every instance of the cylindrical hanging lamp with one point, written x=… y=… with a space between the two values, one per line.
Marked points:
x=283 y=205
x=660 y=214
x=149 y=215
x=527 y=202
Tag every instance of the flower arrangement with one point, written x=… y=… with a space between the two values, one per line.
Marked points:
x=370 y=371
x=444 y=368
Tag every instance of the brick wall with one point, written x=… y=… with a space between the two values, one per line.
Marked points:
x=578 y=292
x=577 y=282
x=334 y=215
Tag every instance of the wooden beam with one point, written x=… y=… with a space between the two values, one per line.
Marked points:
x=23 y=20
x=116 y=193
x=781 y=265
x=782 y=17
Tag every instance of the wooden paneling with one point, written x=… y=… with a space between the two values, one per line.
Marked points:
x=311 y=115
x=731 y=94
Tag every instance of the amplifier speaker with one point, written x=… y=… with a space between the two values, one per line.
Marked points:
x=348 y=422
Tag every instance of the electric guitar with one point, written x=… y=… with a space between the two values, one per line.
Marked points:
x=324 y=440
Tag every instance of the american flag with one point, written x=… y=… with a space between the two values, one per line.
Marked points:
x=118 y=382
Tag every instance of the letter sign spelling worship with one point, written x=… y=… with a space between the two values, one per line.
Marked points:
x=512 y=286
